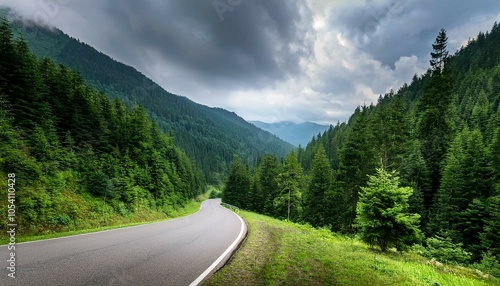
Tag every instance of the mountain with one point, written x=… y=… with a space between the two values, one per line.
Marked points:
x=296 y=134
x=210 y=136
x=78 y=159
x=422 y=166
x=440 y=134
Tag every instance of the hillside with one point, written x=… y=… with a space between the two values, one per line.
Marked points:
x=75 y=159
x=210 y=136
x=283 y=253
x=296 y=134
x=435 y=145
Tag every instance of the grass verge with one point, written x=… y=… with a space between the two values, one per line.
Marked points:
x=142 y=217
x=282 y=253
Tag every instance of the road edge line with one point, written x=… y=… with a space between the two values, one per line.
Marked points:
x=229 y=250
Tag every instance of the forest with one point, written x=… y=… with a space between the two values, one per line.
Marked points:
x=419 y=169
x=79 y=157
x=209 y=136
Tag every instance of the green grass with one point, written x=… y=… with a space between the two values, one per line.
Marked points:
x=282 y=253
x=142 y=217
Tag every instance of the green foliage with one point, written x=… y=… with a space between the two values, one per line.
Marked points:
x=460 y=207
x=489 y=264
x=315 y=203
x=440 y=133
x=78 y=156
x=358 y=160
x=382 y=213
x=444 y=250
x=290 y=185
x=439 y=54
x=211 y=135
x=237 y=189
x=283 y=253
x=490 y=236
x=415 y=174
x=214 y=194
x=268 y=188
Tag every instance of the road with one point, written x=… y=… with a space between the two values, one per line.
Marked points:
x=174 y=252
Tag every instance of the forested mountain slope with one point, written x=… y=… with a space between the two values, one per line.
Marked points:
x=438 y=135
x=441 y=133
x=210 y=136
x=76 y=159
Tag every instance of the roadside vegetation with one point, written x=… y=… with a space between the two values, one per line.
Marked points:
x=76 y=159
x=283 y=253
x=421 y=167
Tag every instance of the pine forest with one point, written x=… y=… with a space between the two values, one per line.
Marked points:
x=420 y=168
x=79 y=157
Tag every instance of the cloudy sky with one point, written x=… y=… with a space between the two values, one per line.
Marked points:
x=271 y=60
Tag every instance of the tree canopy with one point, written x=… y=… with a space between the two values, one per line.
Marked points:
x=78 y=155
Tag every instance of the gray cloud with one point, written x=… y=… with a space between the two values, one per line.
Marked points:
x=251 y=44
x=390 y=29
x=270 y=60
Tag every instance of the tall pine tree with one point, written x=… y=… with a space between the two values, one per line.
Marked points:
x=237 y=189
x=315 y=205
x=434 y=126
x=358 y=159
x=288 y=203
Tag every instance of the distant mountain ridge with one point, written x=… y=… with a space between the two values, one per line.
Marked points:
x=210 y=136
x=296 y=134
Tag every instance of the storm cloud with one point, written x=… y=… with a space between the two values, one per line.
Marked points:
x=390 y=29
x=270 y=60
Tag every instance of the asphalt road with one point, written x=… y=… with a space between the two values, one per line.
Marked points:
x=174 y=252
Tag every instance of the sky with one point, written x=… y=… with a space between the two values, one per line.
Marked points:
x=271 y=60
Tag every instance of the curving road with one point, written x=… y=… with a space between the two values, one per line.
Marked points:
x=175 y=252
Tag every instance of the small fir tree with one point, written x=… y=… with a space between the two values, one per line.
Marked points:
x=382 y=213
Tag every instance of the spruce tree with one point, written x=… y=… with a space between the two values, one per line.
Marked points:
x=268 y=182
x=237 y=188
x=434 y=127
x=393 y=132
x=439 y=54
x=382 y=213
x=494 y=159
x=465 y=186
x=7 y=58
x=288 y=203
x=358 y=159
x=315 y=205
x=415 y=174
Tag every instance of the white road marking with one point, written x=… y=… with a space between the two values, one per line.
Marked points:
x=228 y=250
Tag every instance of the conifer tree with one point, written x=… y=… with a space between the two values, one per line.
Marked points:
x=393 y=132
x=237 y=189
x=258 y=197
x=315 y=205
x=415 y=174
x=494 y=159
x=465 y=186
x=434 y=125
x=490 y=236
x=382 y=213
x=288 y=203
x=7 y=57
x=358 y=159
x=439 y=54
x=268 y=182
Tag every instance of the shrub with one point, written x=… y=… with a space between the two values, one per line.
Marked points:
x=444 y=250
x=490 y=264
